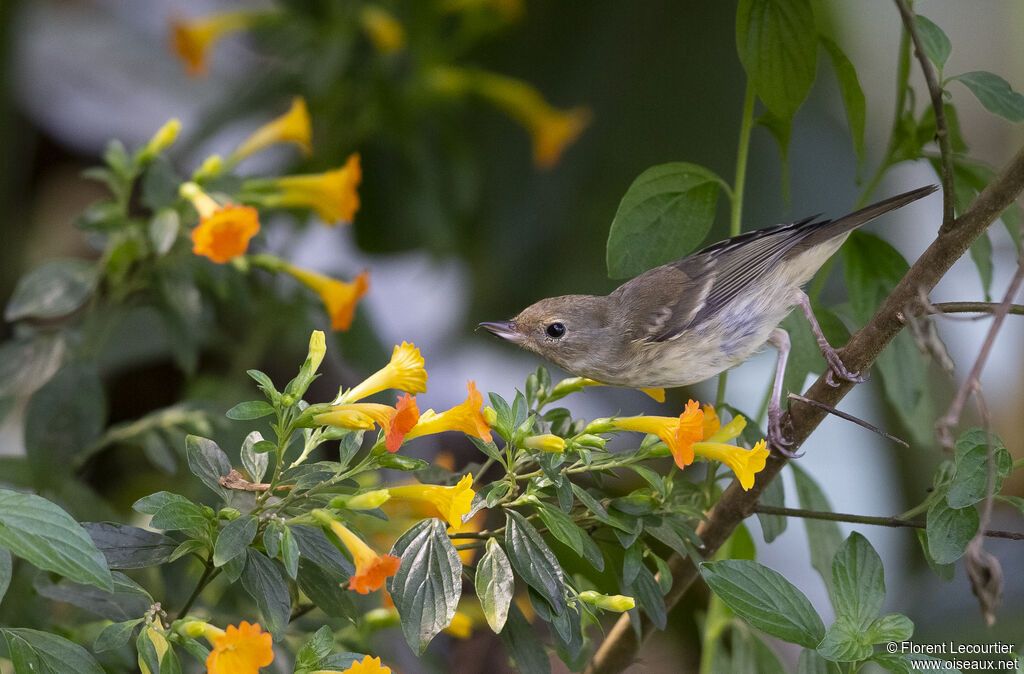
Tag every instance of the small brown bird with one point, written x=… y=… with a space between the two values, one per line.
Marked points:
x=691 y=319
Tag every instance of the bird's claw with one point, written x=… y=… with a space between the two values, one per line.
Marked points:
x=836 y=368
x=777 y=439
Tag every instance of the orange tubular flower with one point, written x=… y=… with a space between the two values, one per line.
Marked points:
x=679 y=433
x=745 y=463
x=191 y=39
x=340 y=298
x=371 y=569
x=405 y=372
x=466 y=417
x=224 y=231
x=291 y=127
x=407 y=415
x=331 y=194
x=240 y=650
x=396 y=421
x=367 y=665
x=452 y=502
x=711 y=422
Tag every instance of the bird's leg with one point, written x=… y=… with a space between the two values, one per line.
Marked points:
x=835 y=363
x=776 y=439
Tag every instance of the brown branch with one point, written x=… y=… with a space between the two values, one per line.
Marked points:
x=975 y=308
x=941 y=129
x=868 y=519
x=861 y=351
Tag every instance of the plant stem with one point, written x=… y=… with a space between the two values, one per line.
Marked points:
x=209 y=573
x=867 y=519
x=742 y=152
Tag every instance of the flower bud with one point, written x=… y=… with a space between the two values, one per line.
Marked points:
x=603 y=425
x=545 y=443
x=229 y=514
x=490 y=416
x=615 y=602
x=365 y=501
x=161 y=140
x=590 y=440
x=212 y=166
x=399 y=462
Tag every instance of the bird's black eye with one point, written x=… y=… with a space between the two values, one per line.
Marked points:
x=555 y=330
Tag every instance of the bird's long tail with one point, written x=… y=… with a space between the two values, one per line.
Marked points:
x=827 y=230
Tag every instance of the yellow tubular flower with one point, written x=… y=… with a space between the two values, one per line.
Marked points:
x=545 y=443
x=396 y=421
x=331 y=194
x=405 y=372
x=461 y=626
x=730 y=431
x=291 y=127
x=384 y=31
x=452 y=502
x=679 y=433
x=745 y=463
x=240 y=650
x=466 y=417
x=367 y=665
x=711 y=422
x=340 y=298
x=224 y=231
x=371 y=569
x=191 y=39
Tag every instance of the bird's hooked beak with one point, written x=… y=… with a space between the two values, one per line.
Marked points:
x=504 y=329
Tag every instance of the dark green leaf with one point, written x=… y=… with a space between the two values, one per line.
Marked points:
x=945 y=572
x=289 y=553
x=263 y=582
x=665 y=214
x=127 y=601
x=773 y=525
x=163 y=230
x=495 y=585
x=115 y=635
x=750 y=655
x=42 y=649
x=811 y=663
x=127 y=547
x=489 y=449
x=234 y=538
x=52 y=290
x=208 y=462
x=327 y=588
x=647 y=592
x=6 y=566
x=933 y=40
x=853 y=95
x=522 y=645
x=27 y=363
x=253 y=409
x=949 y=531
x=781 y=130
x=892 y=627
x=533 y=560
x=180 y=516
x=844 y=642
x=160 y=184
x=428 y=584
x=564 y=529
x=765 y=599
x=970 y=483
x=255 y=463
x=314 y=545
x=777 y=43
x=823 y=536
x=47 y=537
x=315 y=649
x=981 y=255
x=568 y=635
x=858 y=582
x=994 y=93
x=632 y=560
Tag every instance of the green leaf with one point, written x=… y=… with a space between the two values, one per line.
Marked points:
x=945 y=572
x=115 y=635
x=253 y=409
x=35 y=651
x=533 y=560
x=811 y=662
x=823 y=536
x=781 y=129
x=892 y=627
x=994 y=93
x=289 y=553
x=328 y=589
x=564 y=529
x=6 y=566
x=844 y=642
x=163 y=230
x=127 y=547
x=29 y=362
x=894 y=662
x=949 y=531
x=933 y=40
x=428 y=584
x=665 y=214
x=234 y=538
x=777 y=43
x=180 y=515
x=52 y=290
x=751 y=655
x=858 y=582
x=314 y=545
x=316 y=648
x=647 y=592
x=970 y=483
x=255 y=463
x=853 y=95
x=772 y=526
x=522 y=645
x=47 y=537
x=495 y=585
x=981 y=255
x=765 y=599
x=126 y=601
x=208 y=462
x=263 y=582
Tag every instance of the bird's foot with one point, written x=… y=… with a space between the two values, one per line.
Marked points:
x=836 y=368
x=777 y=440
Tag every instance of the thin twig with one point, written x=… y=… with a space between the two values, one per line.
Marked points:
x=869 y=519
x=974 y=308
x=941 y=130
x=849 y=417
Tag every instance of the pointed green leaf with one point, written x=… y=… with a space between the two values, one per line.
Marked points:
x=853 y=95
x=255 y=463
x=858 y=582
x=208 y=462
x=263 y=582
x=564 y=529
x=328 y=589
x=823 y=536
x=765 y=599
x=647 y=592
x=127 y=600
x=844 y=642
x=933 y=40
x=994 y=93
x=970 y=483
x=6 y=566
x=774 y=495
x=52 y=290
x=428 y=584
x=252 y=409
x=495 y=585
x=234 y=538
x=981 y=255
x=945 y=572
x=115 y=635
x=44 y=535
x=522 y=645
x=892 y=627
x=811 y=662
x=533 y=560
x=665 y=214
x=32 y=651
x=127 y=547
x=949 y=531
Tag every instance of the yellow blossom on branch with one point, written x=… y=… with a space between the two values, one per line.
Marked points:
x=396 y=421
x=191 y=39
x=367 y=665
x=545 y=443
x=679 y=433
x=332 y=194
x=466 y=417
x=452 y=502
x=238 y=650
x=291 y=127
x=224 y=231
x=339 y=297
x=404 y=372
x=371 y=569
x=384 y=31
x=745 y=463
